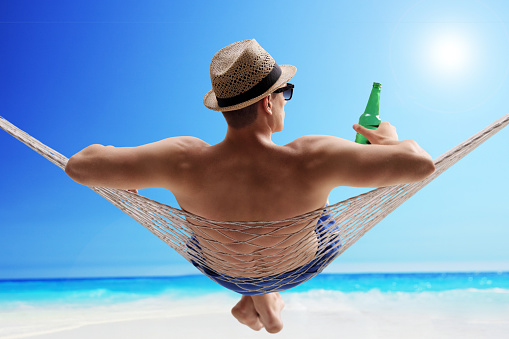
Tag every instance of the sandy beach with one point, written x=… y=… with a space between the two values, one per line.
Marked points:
x=298 y=324
x=316 y=314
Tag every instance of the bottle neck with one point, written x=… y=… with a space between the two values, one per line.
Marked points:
x=370 y=117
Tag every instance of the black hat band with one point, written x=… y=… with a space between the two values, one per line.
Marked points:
x=254 y=91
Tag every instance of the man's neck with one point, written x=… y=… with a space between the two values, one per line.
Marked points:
x=250 y=136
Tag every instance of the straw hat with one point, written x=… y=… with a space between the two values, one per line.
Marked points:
x=243 y=73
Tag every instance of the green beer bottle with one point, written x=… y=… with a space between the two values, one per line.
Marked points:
x=370 y=118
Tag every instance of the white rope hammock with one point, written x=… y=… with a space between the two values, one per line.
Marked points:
x=259 y=257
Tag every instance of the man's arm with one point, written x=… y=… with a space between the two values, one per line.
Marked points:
x=157 y=164
x=387 y=161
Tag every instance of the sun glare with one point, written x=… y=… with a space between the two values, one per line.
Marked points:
x=449 y=54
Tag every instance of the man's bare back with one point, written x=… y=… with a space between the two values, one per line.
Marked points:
x=262 y=182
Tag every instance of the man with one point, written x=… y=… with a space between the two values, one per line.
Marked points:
x=247 y=177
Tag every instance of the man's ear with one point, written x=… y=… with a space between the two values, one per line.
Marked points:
x=267 y=104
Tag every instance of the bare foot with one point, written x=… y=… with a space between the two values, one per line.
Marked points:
x=246 y=314
x=260 y=311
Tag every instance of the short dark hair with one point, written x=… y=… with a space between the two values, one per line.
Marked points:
x=242 y=117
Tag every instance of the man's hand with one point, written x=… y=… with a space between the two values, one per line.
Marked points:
x=260 y=311
x=385 y=134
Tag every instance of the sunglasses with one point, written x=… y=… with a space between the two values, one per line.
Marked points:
x=287 y=91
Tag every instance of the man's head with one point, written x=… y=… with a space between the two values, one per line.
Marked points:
x=272 y=104
x=244 y=76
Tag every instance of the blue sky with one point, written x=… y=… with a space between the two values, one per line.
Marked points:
x=126 y=73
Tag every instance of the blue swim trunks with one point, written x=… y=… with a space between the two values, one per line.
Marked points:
x=283 y=281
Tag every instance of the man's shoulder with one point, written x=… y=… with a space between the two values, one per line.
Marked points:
x=185 y=142
x=312 y=143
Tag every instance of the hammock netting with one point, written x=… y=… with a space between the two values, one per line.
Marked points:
x=258 y=257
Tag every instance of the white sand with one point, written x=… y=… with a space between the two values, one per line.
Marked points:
x=298 y=324
x=319 y=314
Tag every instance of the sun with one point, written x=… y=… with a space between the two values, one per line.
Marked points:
x=449 y=53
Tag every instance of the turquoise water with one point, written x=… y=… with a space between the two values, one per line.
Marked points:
x=114 y=290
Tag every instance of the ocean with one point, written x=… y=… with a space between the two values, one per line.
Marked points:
x=34 y=307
